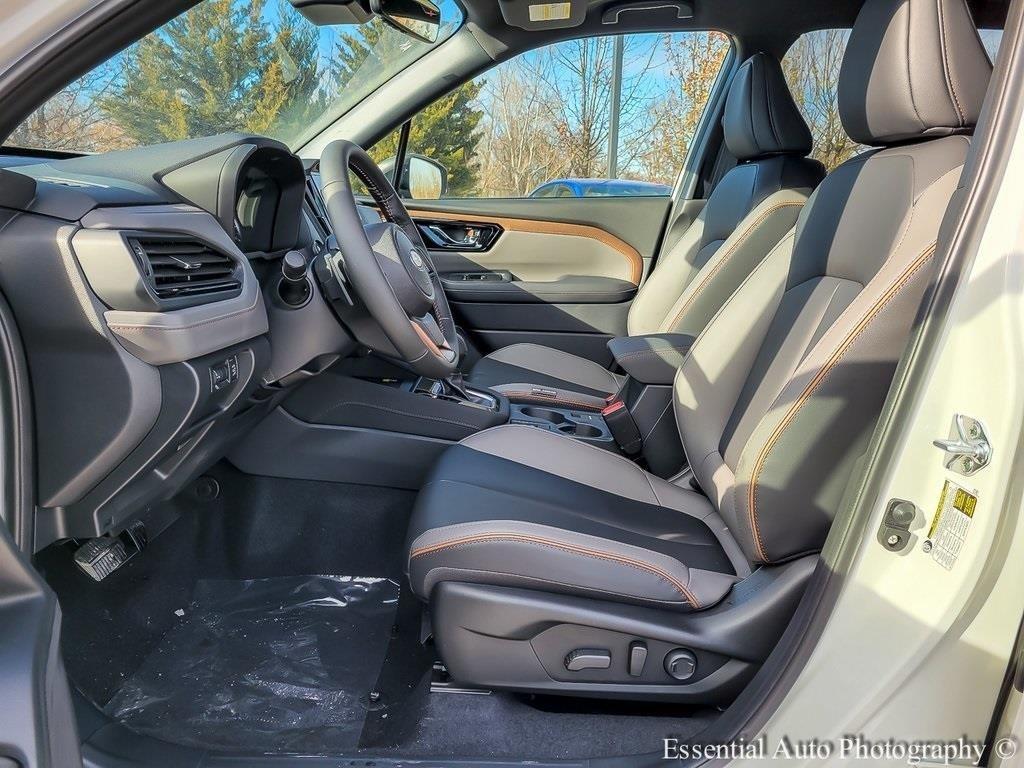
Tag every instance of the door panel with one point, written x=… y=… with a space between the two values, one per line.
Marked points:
x=557 y=271
x=536 y=250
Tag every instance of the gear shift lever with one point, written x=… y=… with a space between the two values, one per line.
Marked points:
x=455 y=389
x=455 y=386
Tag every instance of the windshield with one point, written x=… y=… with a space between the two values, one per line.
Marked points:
x=256 y=66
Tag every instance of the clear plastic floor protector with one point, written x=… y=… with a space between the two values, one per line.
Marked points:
x=281 y=665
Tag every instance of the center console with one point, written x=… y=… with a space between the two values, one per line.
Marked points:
x=587 y=426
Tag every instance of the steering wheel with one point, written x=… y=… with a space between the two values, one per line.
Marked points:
x=388 y=264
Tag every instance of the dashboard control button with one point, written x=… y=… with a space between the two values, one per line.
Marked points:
x=224 y=373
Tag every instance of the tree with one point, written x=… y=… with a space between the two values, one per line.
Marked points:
x=578 y=75
x=518 y=148
x=220 y=66
x=694 y=62
x=72 y=120
x=812 y=70
x=445 y=131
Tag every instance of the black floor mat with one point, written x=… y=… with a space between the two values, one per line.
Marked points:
x=266 y=665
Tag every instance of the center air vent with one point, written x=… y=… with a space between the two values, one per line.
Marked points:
x=178 y=268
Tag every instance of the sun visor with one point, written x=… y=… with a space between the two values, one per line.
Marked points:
x=537 y=14
x=331 y=12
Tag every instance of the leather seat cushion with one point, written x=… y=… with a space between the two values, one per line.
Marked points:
x=544 y=367
x=518 y=506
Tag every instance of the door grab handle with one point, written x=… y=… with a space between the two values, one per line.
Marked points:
x=471 y=240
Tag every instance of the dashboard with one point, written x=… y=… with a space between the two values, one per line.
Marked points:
x=145 y=288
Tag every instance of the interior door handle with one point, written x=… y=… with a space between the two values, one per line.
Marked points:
x=458 y=235
x=471 y=240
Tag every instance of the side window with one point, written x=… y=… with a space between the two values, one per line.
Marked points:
x=606 y=116
x=991 y=38
x=811 y=67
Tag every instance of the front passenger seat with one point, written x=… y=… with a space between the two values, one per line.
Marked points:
x=748 y=212
x=555 y=565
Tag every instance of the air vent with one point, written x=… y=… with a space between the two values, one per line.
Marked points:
x=179 y=268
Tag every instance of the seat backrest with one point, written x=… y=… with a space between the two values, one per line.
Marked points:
x=748 y=212
x=779 y=396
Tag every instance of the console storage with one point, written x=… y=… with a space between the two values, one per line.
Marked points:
x=582 y=425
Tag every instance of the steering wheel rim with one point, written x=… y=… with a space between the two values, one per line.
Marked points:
x=388 y=264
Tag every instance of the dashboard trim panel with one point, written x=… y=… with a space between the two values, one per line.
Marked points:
x=174 y=335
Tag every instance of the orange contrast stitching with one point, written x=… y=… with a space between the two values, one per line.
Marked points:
x=725 y=257
x=523 y=539
x=762 y=458
x=544 y=399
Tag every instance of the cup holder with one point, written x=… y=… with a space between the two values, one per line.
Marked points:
x=580 y=430
x=546 y=414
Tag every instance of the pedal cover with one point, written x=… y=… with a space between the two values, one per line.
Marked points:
x=102 y=556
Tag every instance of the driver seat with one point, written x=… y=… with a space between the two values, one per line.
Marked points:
x=553 y=565
x=748 y=212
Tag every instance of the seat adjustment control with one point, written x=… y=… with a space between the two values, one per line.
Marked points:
x=637 y=658
x=588 y=658
x=680 y=664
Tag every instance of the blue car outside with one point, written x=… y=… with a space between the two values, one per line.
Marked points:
x=600 y=188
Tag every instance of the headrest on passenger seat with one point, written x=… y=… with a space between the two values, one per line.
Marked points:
x=912 y=69
x=761 y=117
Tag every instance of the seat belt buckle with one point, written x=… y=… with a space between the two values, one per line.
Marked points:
x=620 y=423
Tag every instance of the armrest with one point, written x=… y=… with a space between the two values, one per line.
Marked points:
x=651 y=359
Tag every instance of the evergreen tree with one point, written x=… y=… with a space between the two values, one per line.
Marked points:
x=445 y=131
x=220 y=66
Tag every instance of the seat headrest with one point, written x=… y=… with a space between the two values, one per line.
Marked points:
x=912 y=69
x=760 y=116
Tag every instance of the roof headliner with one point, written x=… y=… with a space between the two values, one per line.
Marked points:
x=769 y=25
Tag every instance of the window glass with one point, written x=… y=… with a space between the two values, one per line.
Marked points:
x=991 y=38
x=256 y=66
x=811 y=67
x=549 y=116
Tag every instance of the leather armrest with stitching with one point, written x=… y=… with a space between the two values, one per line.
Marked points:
x=652 y=358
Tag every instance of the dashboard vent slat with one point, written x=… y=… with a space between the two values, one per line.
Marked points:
x=185 y=267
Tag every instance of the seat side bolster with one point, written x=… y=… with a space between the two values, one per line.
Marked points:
x=530 y=553
x=752 y=240
x=714 y=372
x=833 y=398
x=676 y=267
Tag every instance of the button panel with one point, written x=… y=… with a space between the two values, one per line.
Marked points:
x=224 y=373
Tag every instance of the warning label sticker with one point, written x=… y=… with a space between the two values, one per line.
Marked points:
x=550 y=11
x=952 y=520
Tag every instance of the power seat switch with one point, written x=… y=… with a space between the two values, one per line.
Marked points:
x=894 y=533
x=637 y=658
x=681 y=664
x=588 y=658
